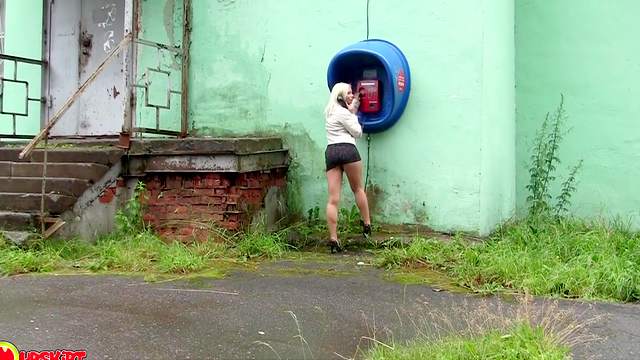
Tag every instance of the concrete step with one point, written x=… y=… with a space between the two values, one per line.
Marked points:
x=20 y=238
x=64 y=186
x=105 y=156
x=19 y=202
x=88 y=171
x=16 y=220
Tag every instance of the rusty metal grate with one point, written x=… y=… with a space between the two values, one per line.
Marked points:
x=145 y=84
x=15 y=81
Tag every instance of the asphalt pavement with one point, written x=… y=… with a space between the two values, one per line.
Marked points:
x=329 y=309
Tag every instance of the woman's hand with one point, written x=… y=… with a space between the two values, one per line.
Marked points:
x=355 y=104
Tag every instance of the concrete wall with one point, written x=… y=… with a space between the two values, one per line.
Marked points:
x=23 y=37
x=260 y=68
x=588 y=50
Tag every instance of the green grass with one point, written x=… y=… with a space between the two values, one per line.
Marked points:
x=142 y=252
x=566 y=258
x=522 y=342
x=259 y=244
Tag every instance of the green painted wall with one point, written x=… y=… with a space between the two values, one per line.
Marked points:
x=23 y=37
x=259 y=67
x=588 y=50
x=497 y=171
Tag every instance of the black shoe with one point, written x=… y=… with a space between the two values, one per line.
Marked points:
x=334 y=246
x=366 y=229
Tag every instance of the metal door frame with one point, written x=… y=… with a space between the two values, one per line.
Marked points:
x=132 y=25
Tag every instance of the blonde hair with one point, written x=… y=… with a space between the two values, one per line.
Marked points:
x=339 y=90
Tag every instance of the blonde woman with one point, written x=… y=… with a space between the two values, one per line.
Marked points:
x=341 y=123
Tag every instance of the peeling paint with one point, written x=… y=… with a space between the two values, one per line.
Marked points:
x=113 y=92
x=108 y=195
x=264 y=49
x=93 y=212
x=226 y=4
x=86 y=45
x=250 y=90
x=375 y=195
x=168 y=20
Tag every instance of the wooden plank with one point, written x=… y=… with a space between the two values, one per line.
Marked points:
x=53 y=228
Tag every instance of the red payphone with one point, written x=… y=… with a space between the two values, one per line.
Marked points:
x=369 y=93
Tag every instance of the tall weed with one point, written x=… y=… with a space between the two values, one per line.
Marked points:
x=543 y=165
x=129 y=219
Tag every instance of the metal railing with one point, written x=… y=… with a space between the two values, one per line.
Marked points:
x=145 y=83
x=18 y=81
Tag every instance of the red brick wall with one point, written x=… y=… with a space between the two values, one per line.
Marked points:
x=184 y=206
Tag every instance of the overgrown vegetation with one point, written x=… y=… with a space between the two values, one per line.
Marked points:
x=129 y=220
x=491 y=330
x=262 y=244
x=349 y=221
x=133 y=247
x=477 y=329
x=521 y=342
x=546 y=253
x=143 y=252
x=565 y=258
x=313 y=230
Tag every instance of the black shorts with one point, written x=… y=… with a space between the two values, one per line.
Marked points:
x=340 y=154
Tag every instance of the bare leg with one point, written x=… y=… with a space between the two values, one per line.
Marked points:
x=354 y=174
x=334 y=180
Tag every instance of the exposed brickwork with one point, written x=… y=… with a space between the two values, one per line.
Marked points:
x=183 y=206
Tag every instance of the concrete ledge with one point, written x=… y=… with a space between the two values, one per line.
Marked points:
x=204 y=146
x=228 y=163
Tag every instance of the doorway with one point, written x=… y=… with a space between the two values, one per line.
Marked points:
x=82 y=34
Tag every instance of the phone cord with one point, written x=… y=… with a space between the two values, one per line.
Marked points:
x=366 y=179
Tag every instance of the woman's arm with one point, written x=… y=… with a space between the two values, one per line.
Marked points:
x=355 y=104
x=350 y=123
